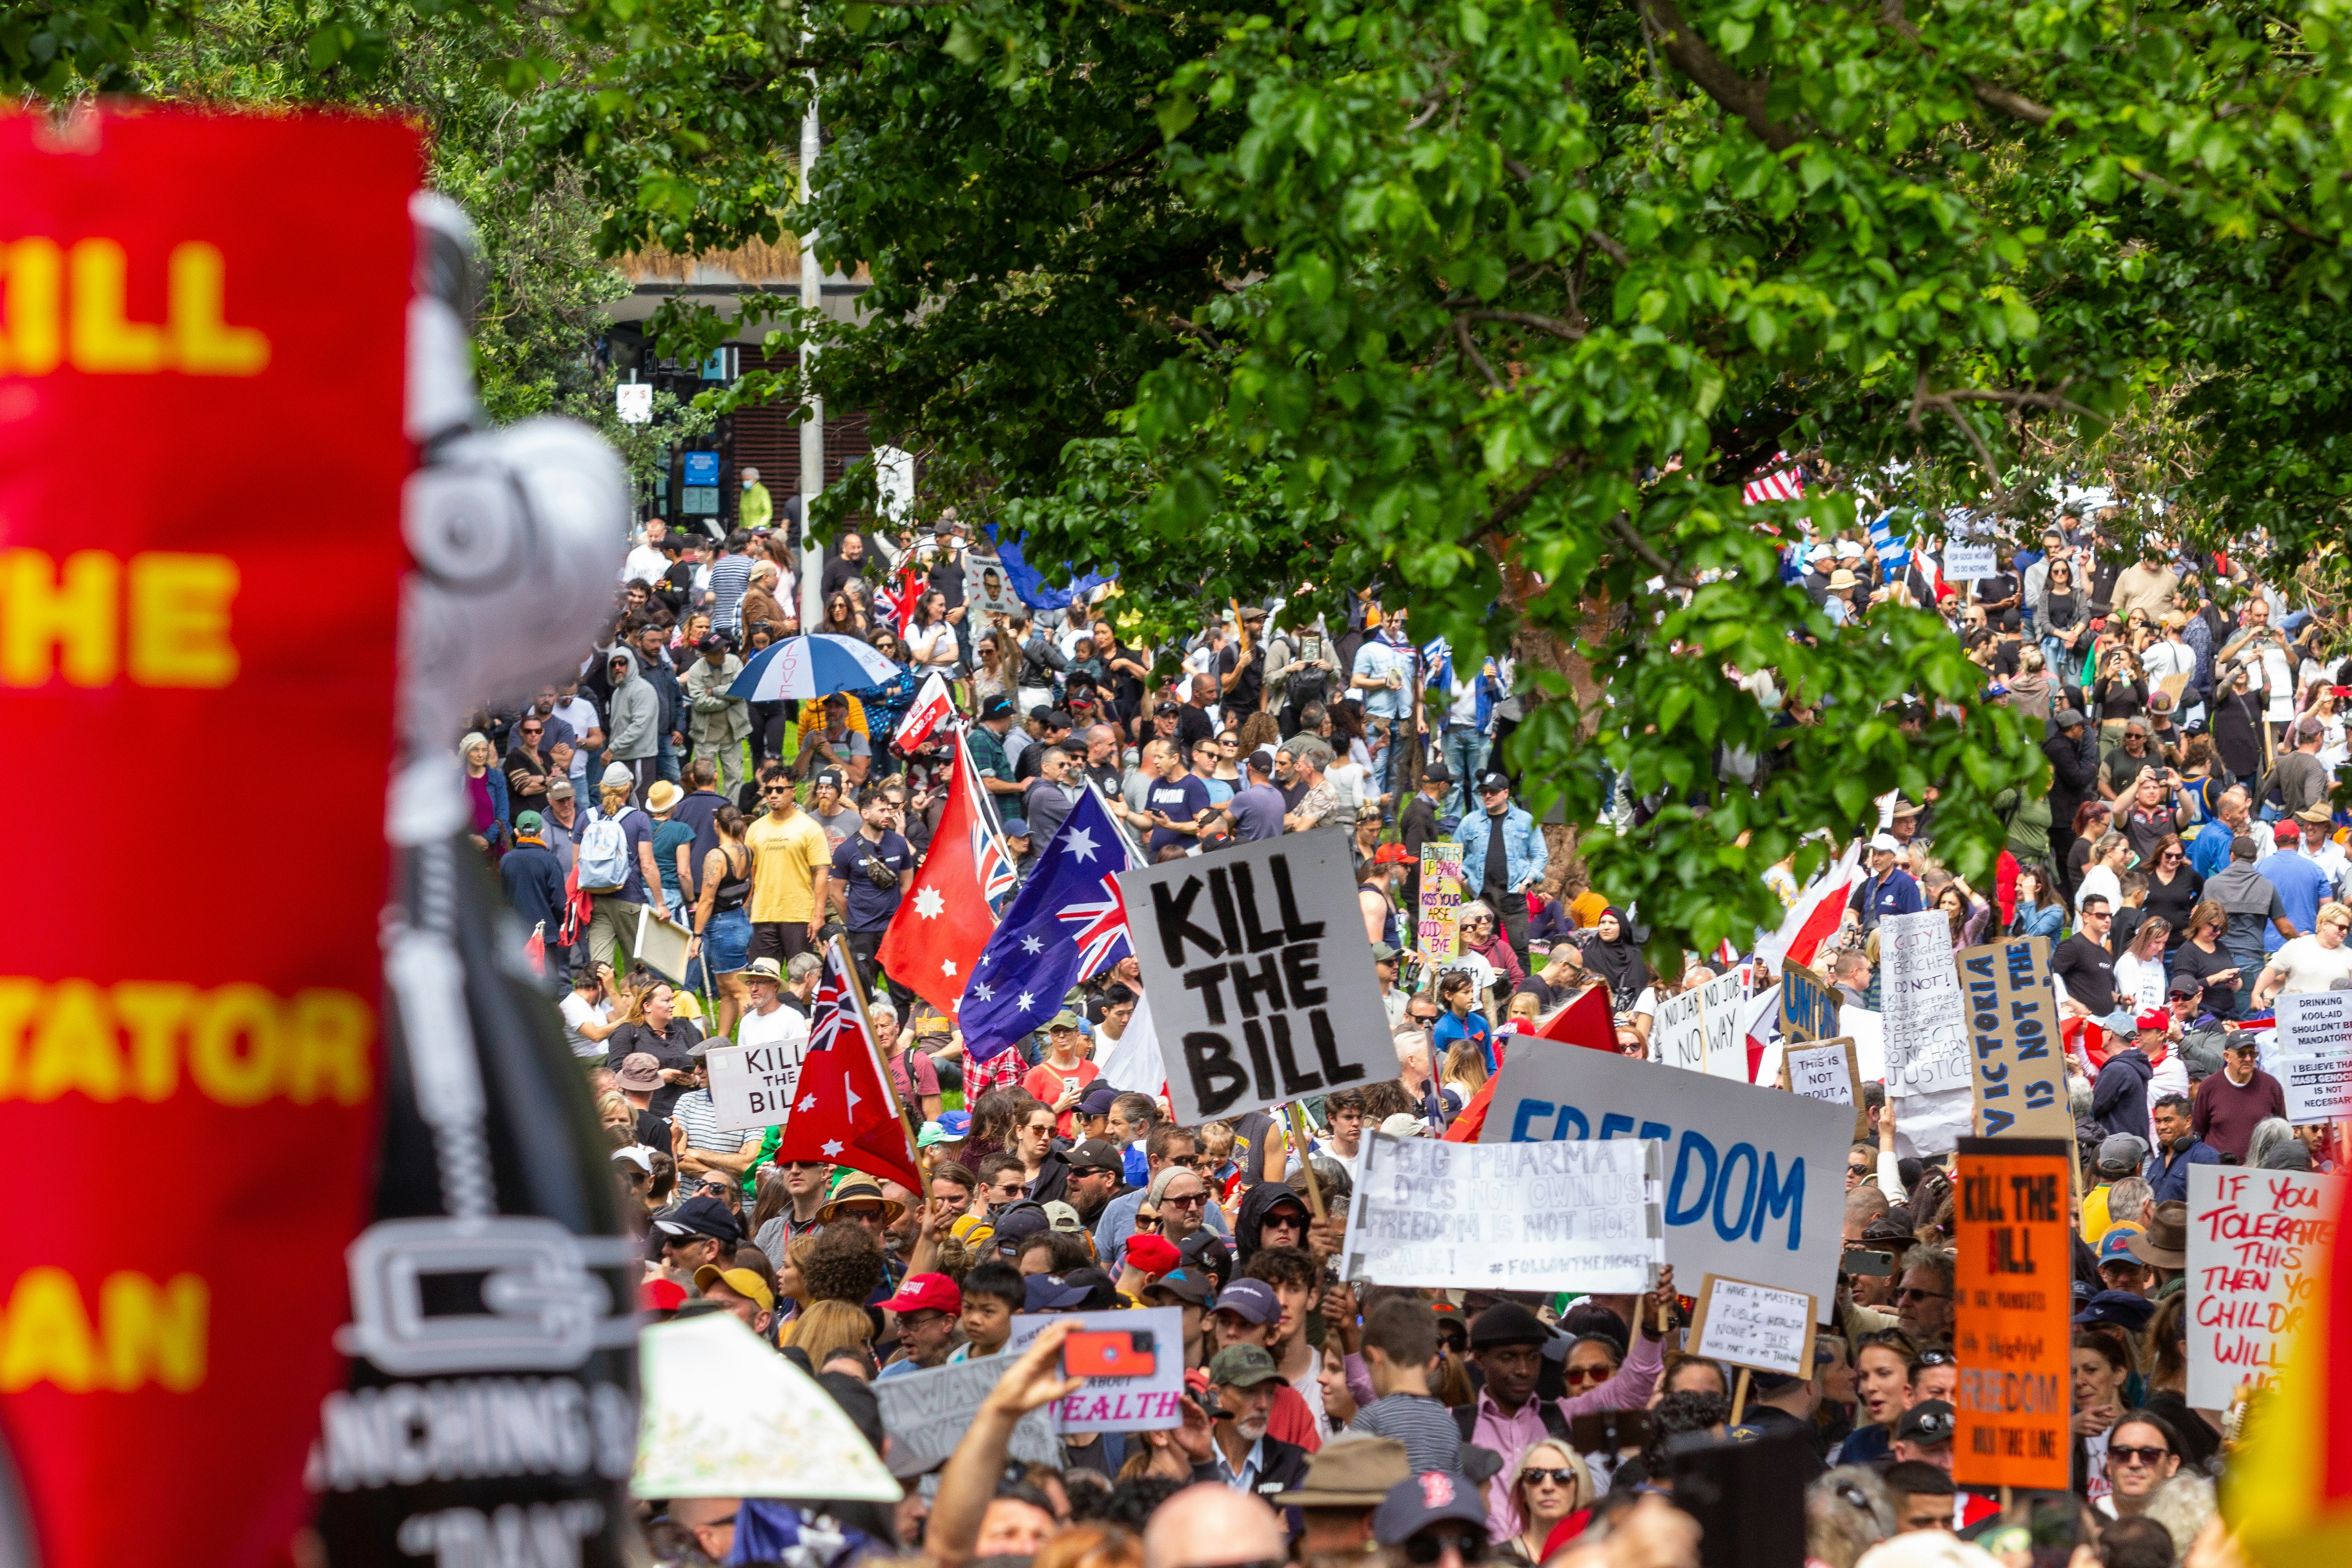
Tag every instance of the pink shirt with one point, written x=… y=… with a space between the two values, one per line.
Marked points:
x=1512 y=1435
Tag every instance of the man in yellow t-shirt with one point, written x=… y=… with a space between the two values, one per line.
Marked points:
x=791 y=860
x=2118 y=1158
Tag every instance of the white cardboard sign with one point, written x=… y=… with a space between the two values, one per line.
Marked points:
x=1150 y=1403
x=2314 y=1054
x=2256 y=1241
x=1698 y=1030
x=1755 y=1325
x=1259 y=976
x=1926 y=1034
x=753 y=1085
x=926 y=1413
x=1508 y=1216
x=1755 y=1178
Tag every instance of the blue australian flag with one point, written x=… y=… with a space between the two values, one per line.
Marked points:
x=1067 y=922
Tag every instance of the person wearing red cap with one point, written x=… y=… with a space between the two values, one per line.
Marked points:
x=2120 y=1098
x=928 y=1306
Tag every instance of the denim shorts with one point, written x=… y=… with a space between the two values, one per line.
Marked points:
x=725 y=946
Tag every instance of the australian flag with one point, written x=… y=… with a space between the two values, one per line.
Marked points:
x=1066 y=924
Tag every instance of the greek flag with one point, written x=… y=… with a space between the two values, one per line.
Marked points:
x=1894 y=554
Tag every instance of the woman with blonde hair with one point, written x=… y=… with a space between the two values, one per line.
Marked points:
x=1550 y=1485
x=1466 y=1069
x=827 y=1329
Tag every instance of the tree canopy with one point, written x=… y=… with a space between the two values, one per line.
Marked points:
x=1494 y=302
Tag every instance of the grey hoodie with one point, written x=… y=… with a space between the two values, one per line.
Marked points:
x=633 y=728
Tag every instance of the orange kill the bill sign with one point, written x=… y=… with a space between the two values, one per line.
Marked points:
x=2012 y=1315
x=201 y=461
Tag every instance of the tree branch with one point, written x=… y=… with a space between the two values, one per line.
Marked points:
x=1713 y=74
x=1470 y=352
x=1552 y=324
x=1151 y=144
x=1517 y=502
x=1623 y=527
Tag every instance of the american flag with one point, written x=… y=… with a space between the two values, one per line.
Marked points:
x=1783 y=483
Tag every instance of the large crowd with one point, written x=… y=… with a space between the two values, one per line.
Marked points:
x=2183 y=866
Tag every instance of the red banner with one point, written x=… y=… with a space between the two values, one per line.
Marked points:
x=201 y=455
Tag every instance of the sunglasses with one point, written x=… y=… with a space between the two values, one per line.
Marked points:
x=1938 y=1358
x=1556 y=1478
x=2151 y=1457
x=534 y=729
x=1426 y=1549
x=1910 y=1294
x=1287 y=1221
x=1575 y=1374
x=1146 y=1221
x=1181 y=1201
x=775 y=789
x=1856 y=1170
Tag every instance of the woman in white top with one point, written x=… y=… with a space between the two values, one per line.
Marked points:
x=2104 y=875
x=2312 y=963
x=2322 y=707
x=2139 y=971
x=931 y=635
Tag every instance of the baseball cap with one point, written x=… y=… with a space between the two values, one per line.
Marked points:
x=2115 y=1246
x=1383 y=953
x=1488 y=783
x=618 y=776
x=2121 y=1155
x=701 y=1216
x=1351 y=1471
x=1051 y=1293
x=711 y=642
x=1061 y=1217
x=639 y=1070
x=927 y=1293
x=996 y=708
x=528 y=822
x=1250 y=1300
x=1418 y=1501
x=1402 y=1125
x=930 y=1136
x=1017 y=1223
x=1167 y=707
x=1096 y=1155
x=1392 y=855
x=1016 y=828
x=2155 y=1018
x=1886 y=842
x=955 y=1125
x=661 y=1295
x=2286 y=832
x=637 y=1154
x=2125 y=1309
x=1433 y=771
x=1262 y=760
x=1186 y=1284
x=1244 y=1366
x=1065 y=1019
x=2067 y=717
x=560 y=789
x=1096 y=1101
x=2184 y=985
x=742 y=1281
x=1929 y=1421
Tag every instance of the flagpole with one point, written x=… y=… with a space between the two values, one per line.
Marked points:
x=1134 y=851
x=987 y=814
x=838 y=947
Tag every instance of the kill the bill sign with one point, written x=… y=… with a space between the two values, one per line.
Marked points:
x=201 y=461
x=2012 y=1306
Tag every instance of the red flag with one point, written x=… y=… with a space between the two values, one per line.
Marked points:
x=931 y=708
x=898 y=598
x=1586 y=1022
x=1816 y=916
x=943 y=922
x=846 y=1113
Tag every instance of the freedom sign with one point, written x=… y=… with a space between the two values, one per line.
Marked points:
x=1259 y=976
x=1755 y=1178
x=227 y=292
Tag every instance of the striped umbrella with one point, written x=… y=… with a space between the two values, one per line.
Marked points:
x=811 y=665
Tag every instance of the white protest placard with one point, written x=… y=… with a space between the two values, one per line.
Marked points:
x=633 y=401
x=662 y=943
x=1754 y=1325
x=2256 y=1243
x=1259 y=974
x=1508 y=1216
x=1926 y=1034
x=1966 y=563
x=753 y=1085
x=2314 y=1054
x=1826 y=1070
x=1151 y=1402
x=926 y=1413
x=1698 y=1030
x=1755 y=1178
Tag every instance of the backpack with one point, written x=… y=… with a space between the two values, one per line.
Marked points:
x=604 y=857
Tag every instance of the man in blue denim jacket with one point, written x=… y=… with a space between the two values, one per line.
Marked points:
x=1503 y=854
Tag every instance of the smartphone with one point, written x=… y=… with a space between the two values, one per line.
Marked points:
x=1113 y=1353
x=1863 y=1260
x=1069 y=1084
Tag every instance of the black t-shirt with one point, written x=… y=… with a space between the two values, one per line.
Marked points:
x=2175 y=901
x=672 y=1048
x=2004 y=660
x=1497 y=884
x=2201 y=966
x=520 y=760
x=1193 y=727
x=1249 y=688
x=840 y=574
x=947 y=581
x=1993 y=589
x=2088 y=973
x=857 y=862
x=653 y=1131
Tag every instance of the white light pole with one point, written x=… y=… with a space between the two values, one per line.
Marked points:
x=812 y=430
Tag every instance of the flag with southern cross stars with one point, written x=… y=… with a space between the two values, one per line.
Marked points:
x=943 y=922
x=844 y=1113
x=1067 y=923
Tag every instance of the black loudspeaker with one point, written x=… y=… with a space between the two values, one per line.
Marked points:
x=1748 y=1498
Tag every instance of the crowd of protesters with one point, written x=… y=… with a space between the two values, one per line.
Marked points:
x=2182 y=863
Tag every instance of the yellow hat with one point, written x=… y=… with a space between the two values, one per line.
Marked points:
x=742 y=1281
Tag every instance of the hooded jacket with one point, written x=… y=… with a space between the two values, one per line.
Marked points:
x=2120 y=1098
x=633 y=723
x=1251 y=1216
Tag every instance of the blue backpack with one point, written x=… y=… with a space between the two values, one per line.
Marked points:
x=604 y=858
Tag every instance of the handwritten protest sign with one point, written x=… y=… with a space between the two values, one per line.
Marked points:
x=1698 y=1030
x=2256 y=1241
x=1926 y=1033
x=1808 y=1005
x=927 y=1412
x=1259 y=976
x=1749 y=1324
x=1755 y=1178
x=2314 y=1054
x=1439 y=933
x=1150 y=1403
x=753 y=1085
x=1826 y=1070
x=2013 y=1018
x=2012 y=1300
x=1517 y=1216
